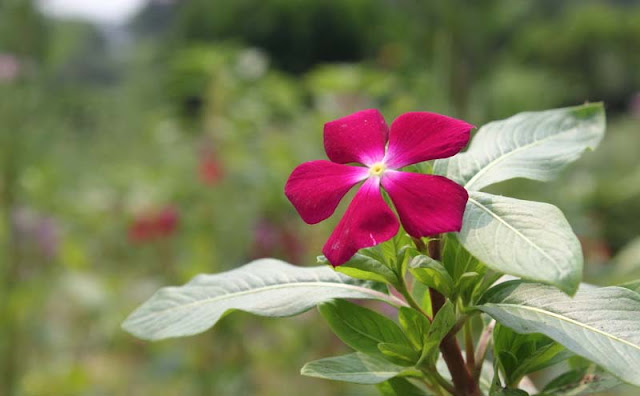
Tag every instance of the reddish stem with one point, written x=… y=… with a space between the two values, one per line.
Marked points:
x=463 y=381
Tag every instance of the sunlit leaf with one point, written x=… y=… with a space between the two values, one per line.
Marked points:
x=532 y=240
x=599 y=324
x=534 y=145
x=265 y=287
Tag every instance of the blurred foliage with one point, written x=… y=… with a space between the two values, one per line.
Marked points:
x=202 y=108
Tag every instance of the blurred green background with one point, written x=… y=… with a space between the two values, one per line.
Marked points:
x=138 y=152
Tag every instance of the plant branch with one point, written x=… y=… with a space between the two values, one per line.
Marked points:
x=465 y=384
x=402 y=288
x=468 y=347
x=440 y=380
x=483 y=346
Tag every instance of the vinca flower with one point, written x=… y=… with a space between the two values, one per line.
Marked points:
x=425 y=204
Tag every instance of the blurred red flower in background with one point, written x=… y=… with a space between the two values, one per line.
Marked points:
x=154 y=225
x=209 y=169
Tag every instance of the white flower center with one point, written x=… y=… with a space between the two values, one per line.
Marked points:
x=377 y=169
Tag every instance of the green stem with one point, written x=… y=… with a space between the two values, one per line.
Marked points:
x=468 y=346
x=483 y=347
x=402 y=288
x=440 y=380
x=464 y=383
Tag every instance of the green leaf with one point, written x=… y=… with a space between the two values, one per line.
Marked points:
x=415 y=326
x=599 y=324
x=367 y=268
x=533 y=145
x=532 y=240
x=432 y=273
x=401 y=354
x=508 y=392
x=442 y=323
x=356 y=367
x=265 y=287
x=471 y=277
x=399 y=386
x=361 y=328
x=486 y=375
x=626 y=264
x=521 y=354
x=582 y=381
x=633 y=285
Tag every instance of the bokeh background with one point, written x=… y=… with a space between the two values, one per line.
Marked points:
x=143 y=142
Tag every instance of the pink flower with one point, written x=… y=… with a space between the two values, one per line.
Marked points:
x=426 y=204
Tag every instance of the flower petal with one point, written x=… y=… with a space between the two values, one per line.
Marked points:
x=421 y=136
x=426 y=204
x=315 y=188
x=368 y=221
x=359 y=137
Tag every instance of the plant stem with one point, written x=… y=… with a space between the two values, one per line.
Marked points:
x=468 y=346
x=465 y=384
x=483 y=346
x=435 y=375
x=402 y=288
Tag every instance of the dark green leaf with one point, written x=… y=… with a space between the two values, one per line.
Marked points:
x=432 y=273
x=399 y=386
x=521 y=354
x=442 y=323
x=415 y=325
x=361 y=328
x=508 y=392
x=401 y=354
x=364 y=267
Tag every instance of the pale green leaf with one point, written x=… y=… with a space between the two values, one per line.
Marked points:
x=265 y=287
x=534 y=145
x=599 y=324
x=356 y=367
x=626 y=264
x=581 y=381
x=532 y=240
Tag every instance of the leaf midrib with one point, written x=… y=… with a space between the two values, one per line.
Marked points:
x=566 y=319
x=491 y=213
x=381 y=296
